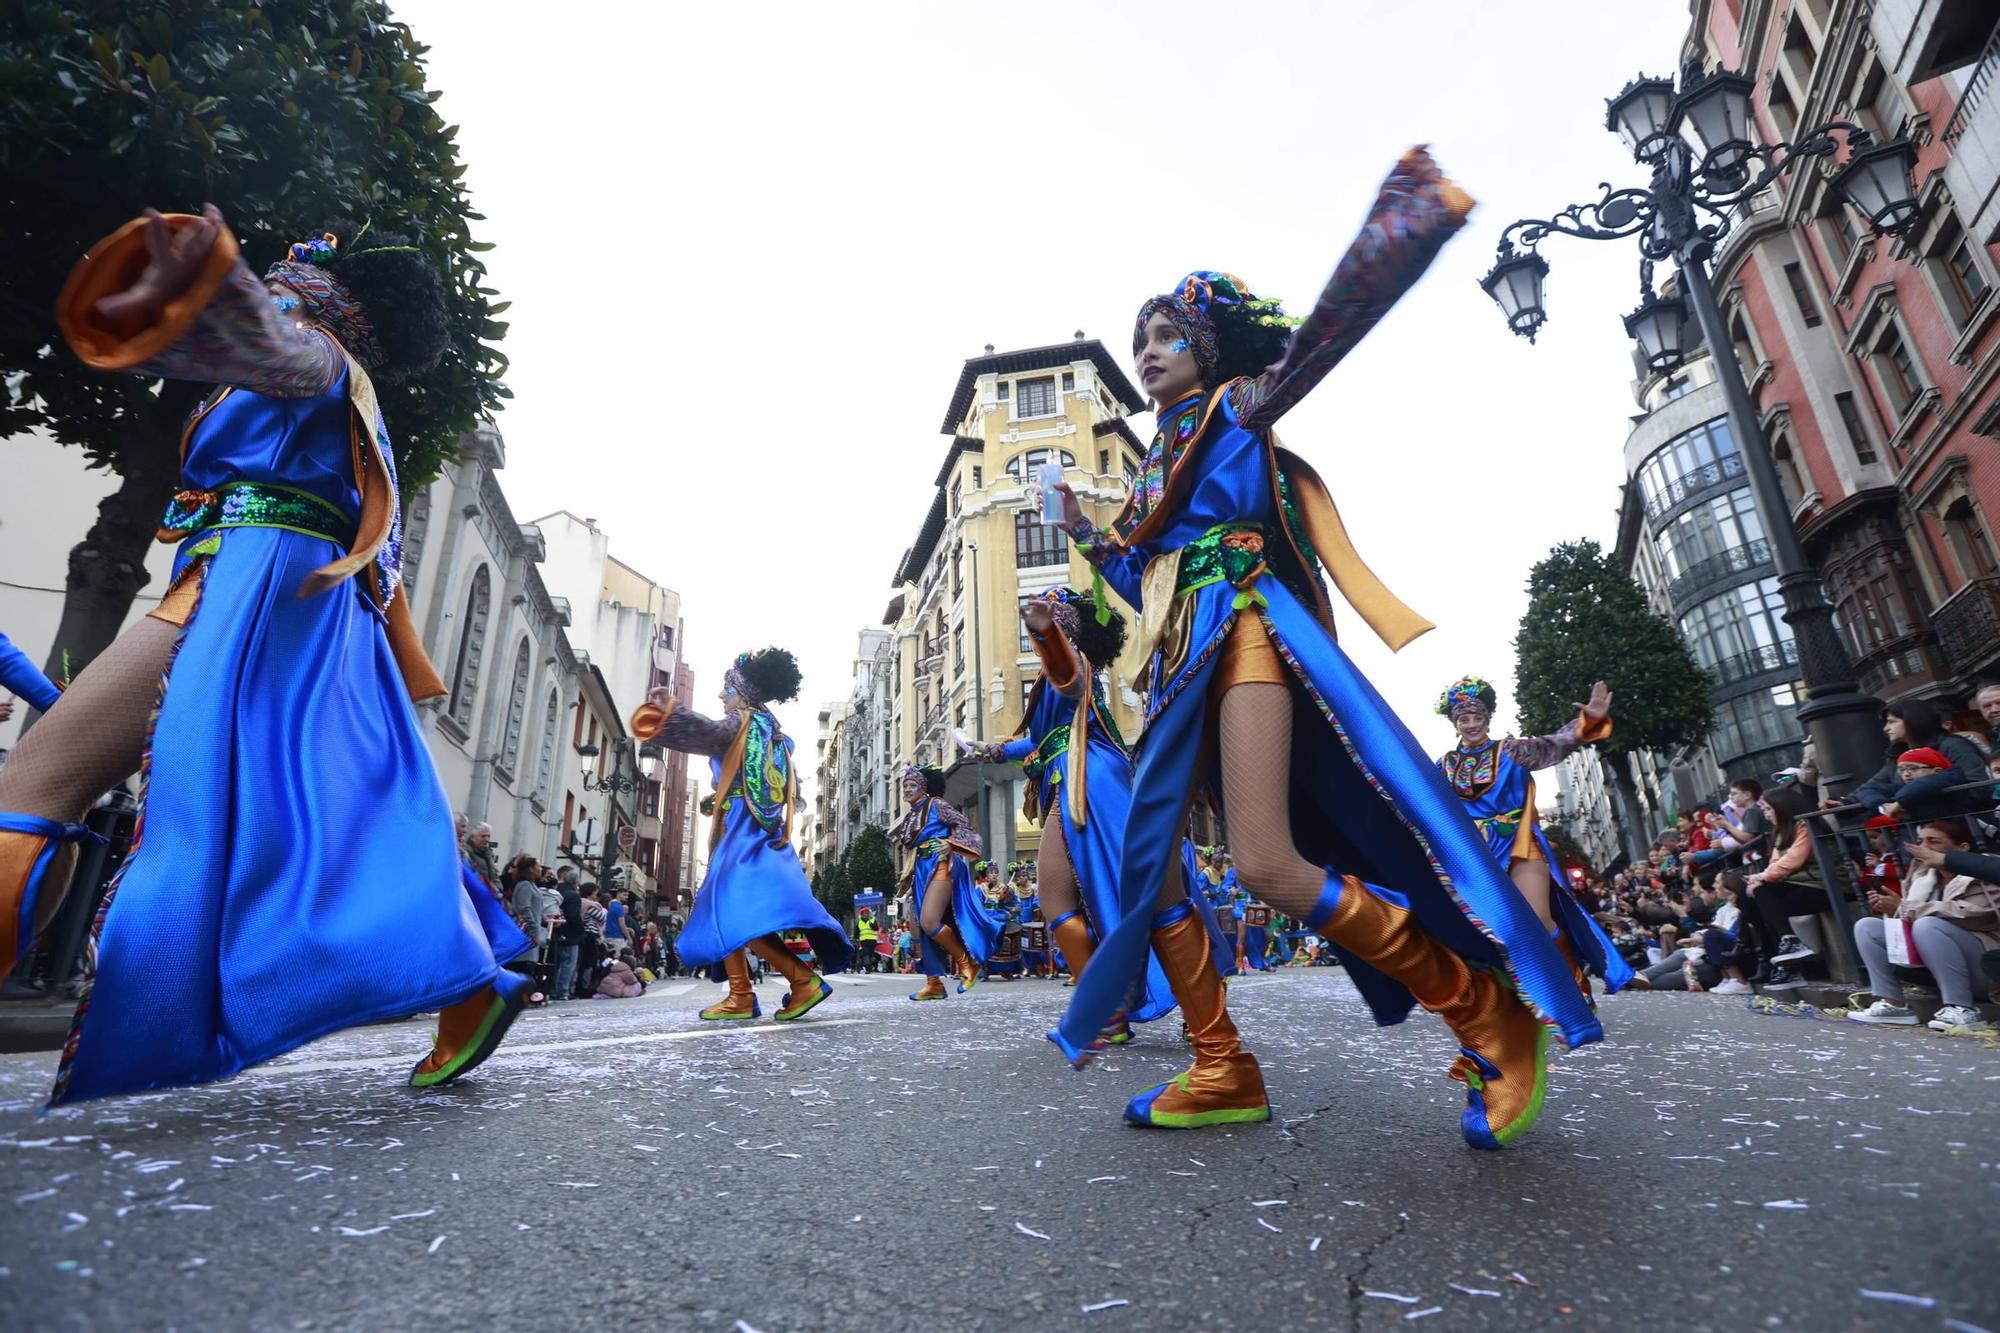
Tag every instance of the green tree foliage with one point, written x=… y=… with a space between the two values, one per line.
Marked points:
x=291 y=117
x=831 y=887
x=869 y=864
x=1588 y=621
x=1568 y=850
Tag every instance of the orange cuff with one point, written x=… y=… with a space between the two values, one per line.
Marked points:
x=1589 y=731
x=648 y=720
x=1059 y=660
x=112 y=266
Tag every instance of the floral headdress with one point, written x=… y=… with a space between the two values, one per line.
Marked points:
x=1188 y=308
x=310 y=269
x=1467 y=692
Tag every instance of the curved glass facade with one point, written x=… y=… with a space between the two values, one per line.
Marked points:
x=1687 y=464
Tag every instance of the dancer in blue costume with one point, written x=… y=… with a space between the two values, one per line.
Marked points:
x=1495 y=779
x=755 y=888
x=959 y=930
x=294 y=870
x=1221 y=546
x=19 y=675
x=1079 y=785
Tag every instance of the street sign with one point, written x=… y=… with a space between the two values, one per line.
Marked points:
x=628 y=838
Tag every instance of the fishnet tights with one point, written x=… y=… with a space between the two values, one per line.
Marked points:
x=89 y=742
x=1054 y=874
x=1256 y=745
x=937 y=897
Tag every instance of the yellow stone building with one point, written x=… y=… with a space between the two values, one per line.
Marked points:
x=962 y=658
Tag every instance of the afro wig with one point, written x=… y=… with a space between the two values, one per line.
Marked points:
x=403 y=297
x=1249 y=337
x=773 y=673
x=1099 y=644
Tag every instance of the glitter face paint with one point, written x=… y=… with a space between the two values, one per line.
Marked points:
x=286 y=304
x=1178 y=347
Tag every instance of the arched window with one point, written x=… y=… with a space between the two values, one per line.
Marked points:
x=471 y=647
x=1790 y=479
x=545 y=770
x=517 y=710
x=1023 y=467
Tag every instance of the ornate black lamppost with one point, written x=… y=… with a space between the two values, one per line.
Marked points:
x=1700 y=143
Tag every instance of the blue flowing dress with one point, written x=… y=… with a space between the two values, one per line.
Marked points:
x=1246 y=527
x=295 y=869
x=1094 y=835
x=755 y=887
x=940 y=837
x=1496 y=783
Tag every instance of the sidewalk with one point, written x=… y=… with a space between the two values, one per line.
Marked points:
x=34 y=1023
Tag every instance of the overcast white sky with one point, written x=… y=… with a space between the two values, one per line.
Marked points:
x=750 y=245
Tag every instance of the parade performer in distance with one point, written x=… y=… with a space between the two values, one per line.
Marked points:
x=959 y=931
x=1079 y=784
x=1006 y=962
x=20 y=676
x=1495 y=779
x=1335 y=814
x=755 y=889
x=266 y=702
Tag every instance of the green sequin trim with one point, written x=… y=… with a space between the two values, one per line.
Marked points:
x=251 y=504
x=1054 y=744
x=1208 y=559
x=1296 y=525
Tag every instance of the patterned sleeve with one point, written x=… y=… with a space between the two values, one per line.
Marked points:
x=1123 y=570
x=1414 y=215
x=962 y=833
x=242 y=338
x=1538 y=752
x=683 y=729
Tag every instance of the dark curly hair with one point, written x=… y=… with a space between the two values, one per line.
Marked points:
x=933 y=780
x=403 y=296
x=1099 y=644
x=773 y=673
x=1248 y=338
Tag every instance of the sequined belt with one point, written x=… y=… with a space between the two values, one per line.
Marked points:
x=254 y=504
x=1231 y=553
x=931 y=847
x=1509 y=822
x=1053 y=744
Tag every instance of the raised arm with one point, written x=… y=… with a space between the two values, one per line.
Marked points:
x=959 y=830
x=1414 y=215
x=1591 y=724
x=171 y=298
x=661 y=719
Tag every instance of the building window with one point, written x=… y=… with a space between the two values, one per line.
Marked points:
x=978 y=477
x=1036 y=398
x=667 y=637
x=416 y=526
x=1857 y=434
x=1688 y=463
x=1835 y=229
x=1784 y=111
x=545 y=769
x=957 y=570
x=1027 y=644
x=1802 y=297
x=517 y=710
x=955 y=498
x=471 y=647
x=1873 y=612
x=958 y=653
x=1971 y=543
x=1024 y=467
x=1036 y=544
x=1955 y=267
x=1103 y=462
x=1740 y=632
x=1069 y=381
x=1710 y=530
x=1676 y=387
x=1791 y=479
x=1895 y=368
x=1027 y=689
x=1000 y=390
x=1745 y=339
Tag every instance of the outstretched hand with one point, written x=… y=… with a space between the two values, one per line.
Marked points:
x=1035 y=615
x=1599 y=706
x=174 y=257
x=1072 y=508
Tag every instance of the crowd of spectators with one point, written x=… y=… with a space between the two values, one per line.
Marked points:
x=1733 y=898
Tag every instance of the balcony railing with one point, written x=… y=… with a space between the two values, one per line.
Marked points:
x=1768 y=657
x=1702 y=478
x=1735 y=560
x=1978 y=86
x=1968 y=625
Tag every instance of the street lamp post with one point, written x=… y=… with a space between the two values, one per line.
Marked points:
x=615 y=786
x=1705 y=163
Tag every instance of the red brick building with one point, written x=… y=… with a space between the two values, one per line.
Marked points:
x=1875 y=363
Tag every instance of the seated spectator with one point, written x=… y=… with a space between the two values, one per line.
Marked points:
x=1945 y=925
x=1788 y=894
x=618 y=981
x=1914 y=727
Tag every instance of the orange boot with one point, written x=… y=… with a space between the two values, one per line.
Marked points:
x=961 y=961
x=1072 y=935
x=471 y=1030
x=741 y=1002
x=933 y=990
x=1224 y=1086
x=1504 y=1064
x=808 y=986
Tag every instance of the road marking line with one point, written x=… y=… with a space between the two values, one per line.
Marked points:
x=581 y=1043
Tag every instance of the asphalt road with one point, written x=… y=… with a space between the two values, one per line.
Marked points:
x=894 y=1166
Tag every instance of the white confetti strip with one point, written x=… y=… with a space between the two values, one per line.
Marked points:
x=1793 y=1205
x=1268 y=1203
x=1898 y=1297
x=411 y=1217
x=1029 y=1231
x=433 y=1248
x=1104 y=1305
x=1392 y=1296
x=1423 y=1314
x=1960 y=1326
x=371 y=1231
x=1471 y=1291
x=1099 y=1180
x=1268 y=1227
x=1314 y=1245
